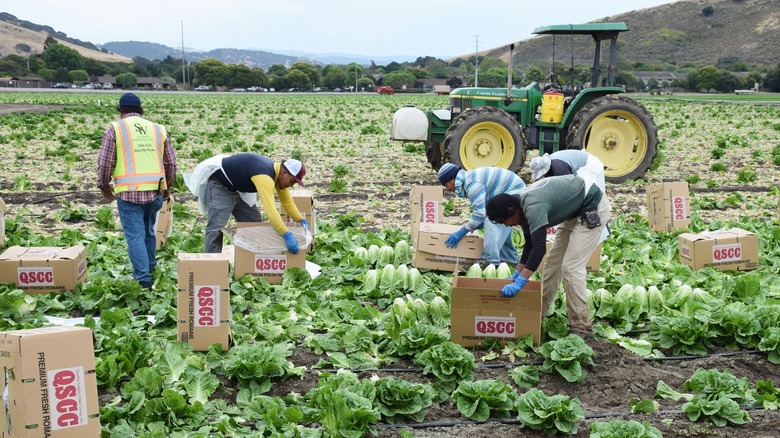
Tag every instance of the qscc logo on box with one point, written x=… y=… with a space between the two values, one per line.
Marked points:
x=207 y=306
x=727 y=253
x=35 y=276
x=270 y=264
x=69 y=398
x=679 y=208
x=495 y=326
x=685 y=251
x=431 y=209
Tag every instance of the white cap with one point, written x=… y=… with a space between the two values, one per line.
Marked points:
x=296 y=169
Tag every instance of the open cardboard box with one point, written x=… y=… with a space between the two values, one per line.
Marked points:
x=479 y=312
x=431 y=252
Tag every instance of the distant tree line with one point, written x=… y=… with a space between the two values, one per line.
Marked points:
x=59 y=63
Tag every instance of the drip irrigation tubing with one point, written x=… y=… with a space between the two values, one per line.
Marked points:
x=731 y=353
x=516 y=421
x=517 y=364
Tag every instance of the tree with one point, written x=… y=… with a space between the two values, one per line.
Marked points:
x=212 y=72
x=728 y=82
x=652 y=83
x=772 y=79
x=400 y=79
x=277 y=70
x=78 y=76
x=309 y=70
x=708 y=11
x=494 y=77
x=707 y=78
x=534 y=74
x=47 y=74
x=58 y=56
x=127 y=80
x=13 y=65
x=240 y=76
x=333 y=77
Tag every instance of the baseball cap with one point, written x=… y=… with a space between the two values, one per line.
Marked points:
x=129 y=99
x=296 y=169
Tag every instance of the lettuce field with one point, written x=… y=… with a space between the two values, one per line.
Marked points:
x=363 y=349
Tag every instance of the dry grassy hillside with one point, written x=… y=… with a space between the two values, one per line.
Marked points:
x=675 y=33
x=11 y=36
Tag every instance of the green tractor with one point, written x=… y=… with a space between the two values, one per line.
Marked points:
x=494 y=126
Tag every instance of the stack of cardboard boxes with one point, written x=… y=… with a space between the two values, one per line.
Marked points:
x=429 y=236
x=668 y=207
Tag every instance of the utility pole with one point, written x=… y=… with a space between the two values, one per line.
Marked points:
x=476 y=63
x=183 y=59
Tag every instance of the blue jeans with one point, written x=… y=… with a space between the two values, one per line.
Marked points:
x=138 y=224
x=497 y=244
x=221 y=203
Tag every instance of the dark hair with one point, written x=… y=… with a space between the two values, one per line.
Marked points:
x=131 y=109
x=498 y=206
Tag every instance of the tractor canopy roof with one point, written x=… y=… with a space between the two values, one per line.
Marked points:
x=599 y=31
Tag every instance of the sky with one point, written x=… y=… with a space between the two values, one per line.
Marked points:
x=438 y=28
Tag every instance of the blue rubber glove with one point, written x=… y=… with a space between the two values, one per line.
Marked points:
x=515 y=275
x=452 y=241
x=305 y=225
x=513 y=288
x=292 y=244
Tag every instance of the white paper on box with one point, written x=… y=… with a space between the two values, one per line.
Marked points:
x=206 y=306
x=495 y=326
x=67 y=395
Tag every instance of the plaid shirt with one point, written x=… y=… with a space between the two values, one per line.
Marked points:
x=107 y=163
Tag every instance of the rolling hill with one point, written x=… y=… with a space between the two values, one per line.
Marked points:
x=676 y=33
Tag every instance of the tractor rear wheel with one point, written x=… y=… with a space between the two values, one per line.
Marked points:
x=484 y=137
x=620 y=132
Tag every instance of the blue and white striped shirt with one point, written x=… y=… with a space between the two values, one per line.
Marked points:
x=481 y=184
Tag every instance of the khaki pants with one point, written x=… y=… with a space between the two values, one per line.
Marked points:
x=574 y=243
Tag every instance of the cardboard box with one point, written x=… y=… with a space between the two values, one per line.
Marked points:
x=267 y=265
x=727 y=250
x=304 y=201
x=2 y=222
x=203 y=300
x=668 y=206
x=425 y=206
x=430 y=251
x=49 y=386
x=163 y=224
x=594 y=262
x=479 y=312
x=44 y=269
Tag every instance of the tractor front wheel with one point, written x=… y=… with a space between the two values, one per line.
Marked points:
x=620 y=132
x=485 y=137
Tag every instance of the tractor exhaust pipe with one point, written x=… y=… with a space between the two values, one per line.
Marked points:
x=509 y=75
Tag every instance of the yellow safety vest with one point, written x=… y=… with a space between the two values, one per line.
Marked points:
x=140 y=145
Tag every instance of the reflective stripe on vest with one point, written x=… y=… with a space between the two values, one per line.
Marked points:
x=139 y=148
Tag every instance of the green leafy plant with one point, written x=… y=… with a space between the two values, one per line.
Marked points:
x=567 y=356
x=344 y=405
x=525 y=376
x=552 y=415
x=254 y=365
x=399 y=400
x=623 y=429
x=450 y=363
x=482 y=399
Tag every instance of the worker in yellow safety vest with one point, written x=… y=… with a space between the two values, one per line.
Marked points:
x=137 y=156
